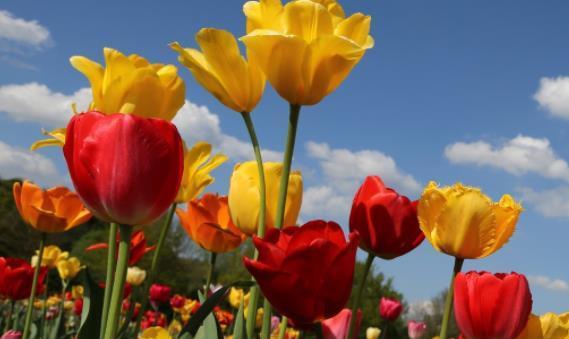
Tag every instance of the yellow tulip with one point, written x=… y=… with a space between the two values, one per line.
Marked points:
x=68 y=305
x=373 y=333
x=77 y=291
x=220 y=68
x=155 y=333
x=235 y=295
x=244 y=201
x=51 y=256
x=68 y=268
x=547 y=326
x=135 y=276
x=198 y=163
x=463 y=222
x=53 y=300
x=305 y=48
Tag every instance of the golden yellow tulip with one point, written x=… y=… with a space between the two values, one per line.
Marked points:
x=547 y=326
x=155 y=333
x=221 y=69
x=235 y=295
x=77 y=291
x=244 y=201
x=305 y=48
x=54 y=210
x=463 y=222
x=135 y=276
x=53 y=300
x=68 y=268
x=198 y=164
x=373 y=333
x=51 y=256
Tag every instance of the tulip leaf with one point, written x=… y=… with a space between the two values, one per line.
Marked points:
x=92 y=307
x=210 y=327
x=123 y=331
x=239 y=330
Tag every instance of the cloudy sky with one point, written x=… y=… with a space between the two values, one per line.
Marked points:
x=476 y=92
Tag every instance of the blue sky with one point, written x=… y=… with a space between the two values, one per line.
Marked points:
x=476 y=92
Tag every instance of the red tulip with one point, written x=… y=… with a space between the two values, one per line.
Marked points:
x=177 y=301
x=138 y=247
x=78 y=307
x=416 y=329
x=126 y=169
x=16 y=276
x=12 y=334
x=386 y=221
x=390 y=309
x=338 y=326
x=160 y=293
x=490 y=305
x=306 y=272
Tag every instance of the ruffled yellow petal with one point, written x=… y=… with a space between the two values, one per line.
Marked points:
x=155 y=333
x=430 y=206
x=532 y=329
x=506 y=212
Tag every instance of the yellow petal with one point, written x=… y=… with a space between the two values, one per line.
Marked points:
x=307 y=20
x=174 y=91
x=507 y=212
x=263 y=14
x=155 y=333
x=356 y=28
x=94 y=73
x=430 y=206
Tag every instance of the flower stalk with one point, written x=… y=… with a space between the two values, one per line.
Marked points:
x=358 y=297
x=212 y=259
x=29 y=311
x=112 y=248
x=448 y=303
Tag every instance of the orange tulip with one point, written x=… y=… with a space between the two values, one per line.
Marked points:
x=54 y=210
x=208 y=223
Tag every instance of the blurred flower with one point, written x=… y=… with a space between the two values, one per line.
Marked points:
x=135 y=275
x=208 y=223
x=547 y=326
x=78 y=307
x=16 y=277
x=416 y=329
x=138 y=247
x=244 y=200
x=275 y=322
x=306 y=49
x=77 y=291
x=373 y=333
x=160 y=293
x=296 y=265
x=152 y=318
x=386 y=221
x=338 y=326
x=235 y=295
x=68 y=268
x=51 y=256
x=12 y=334
x=177 y=301
x=68 y=305
x=155 y=333
x=390 y=309
x=221 y=69
x=463 y=222
x=224 y=318
x=53 y=210
x=198 y=164
x=118 y=158
x=53 y=300
x=504 y=300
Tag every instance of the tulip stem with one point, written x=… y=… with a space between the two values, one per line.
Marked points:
x=266 y=327
x=448 y=303
x=211 y=270
x=112 y=248
x=282 y=329
x=358 y=296
x=118 y=285
x=29 y=311
x=9 y=317
x=150 y=278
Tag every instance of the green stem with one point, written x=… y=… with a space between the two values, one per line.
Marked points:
x=29 y=311
x=150 y=278
x=318 y=330
x=450 y=293
x=112 y=248
x=266 y=327
x=211 y=270
x=118 y=285
x=384 y=332
x=358 y=297
x=287 y=161
x=43 y=322
x=282 y=328
x=252 y=312
x=9 y=317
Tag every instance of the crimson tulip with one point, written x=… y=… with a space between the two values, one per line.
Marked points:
x=160 y=293
x=305 y=272
x=137 y=247
x=78 y=307
x=490 y=305
x=126 y=169
x=390 y=309
x=16 y=276
x=337 y=326
x=386 y=221
x=177 y=301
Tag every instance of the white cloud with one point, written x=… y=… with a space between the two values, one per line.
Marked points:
x=553 y=95
x=343 y=171
x=22 y=31
x=518 y=156
x=37 y=103
x=549 y=283
x=196 y=122
x=419 y=309
x=551 y=203
x=21 y=163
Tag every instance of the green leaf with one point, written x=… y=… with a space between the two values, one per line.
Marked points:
x=92 y=307
x=239 y=330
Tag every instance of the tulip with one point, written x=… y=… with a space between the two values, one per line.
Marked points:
x=52 y=211
x=198 y=164
x=78 y=307
x=177 y=301
x=337 y=327
x=463 y=222
x=220 y=68
x=416 y=329
x=235 y=295
x=504 y=300
x=160 y=294
x=68 y=268
x=12 y=334
x=296 y=265
x=244 y=196
x=121 y=158
x=305 y=49
x=156 y=332
x=77 y=292
x=135 y=276
x=390 y=309
x=138 y=247
x=373 y=333
x=208 y=223
x=16 y=277
x=51 y=256
x=547 y=326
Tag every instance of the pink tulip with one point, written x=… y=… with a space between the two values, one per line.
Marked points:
x=416 y=329
x=11 y=335
x=338 y=326
x=390 y=309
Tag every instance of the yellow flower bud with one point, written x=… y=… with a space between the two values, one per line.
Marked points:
x=373 y=333
x=77 y=291
x=135 y=276
x=155 y=333
x=51 y=255
x=68 y=268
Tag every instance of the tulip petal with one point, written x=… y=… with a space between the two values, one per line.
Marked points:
x=94 y=73
x=507 y=212
x=356 y=28
x=307 y=19
x=263 y=14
